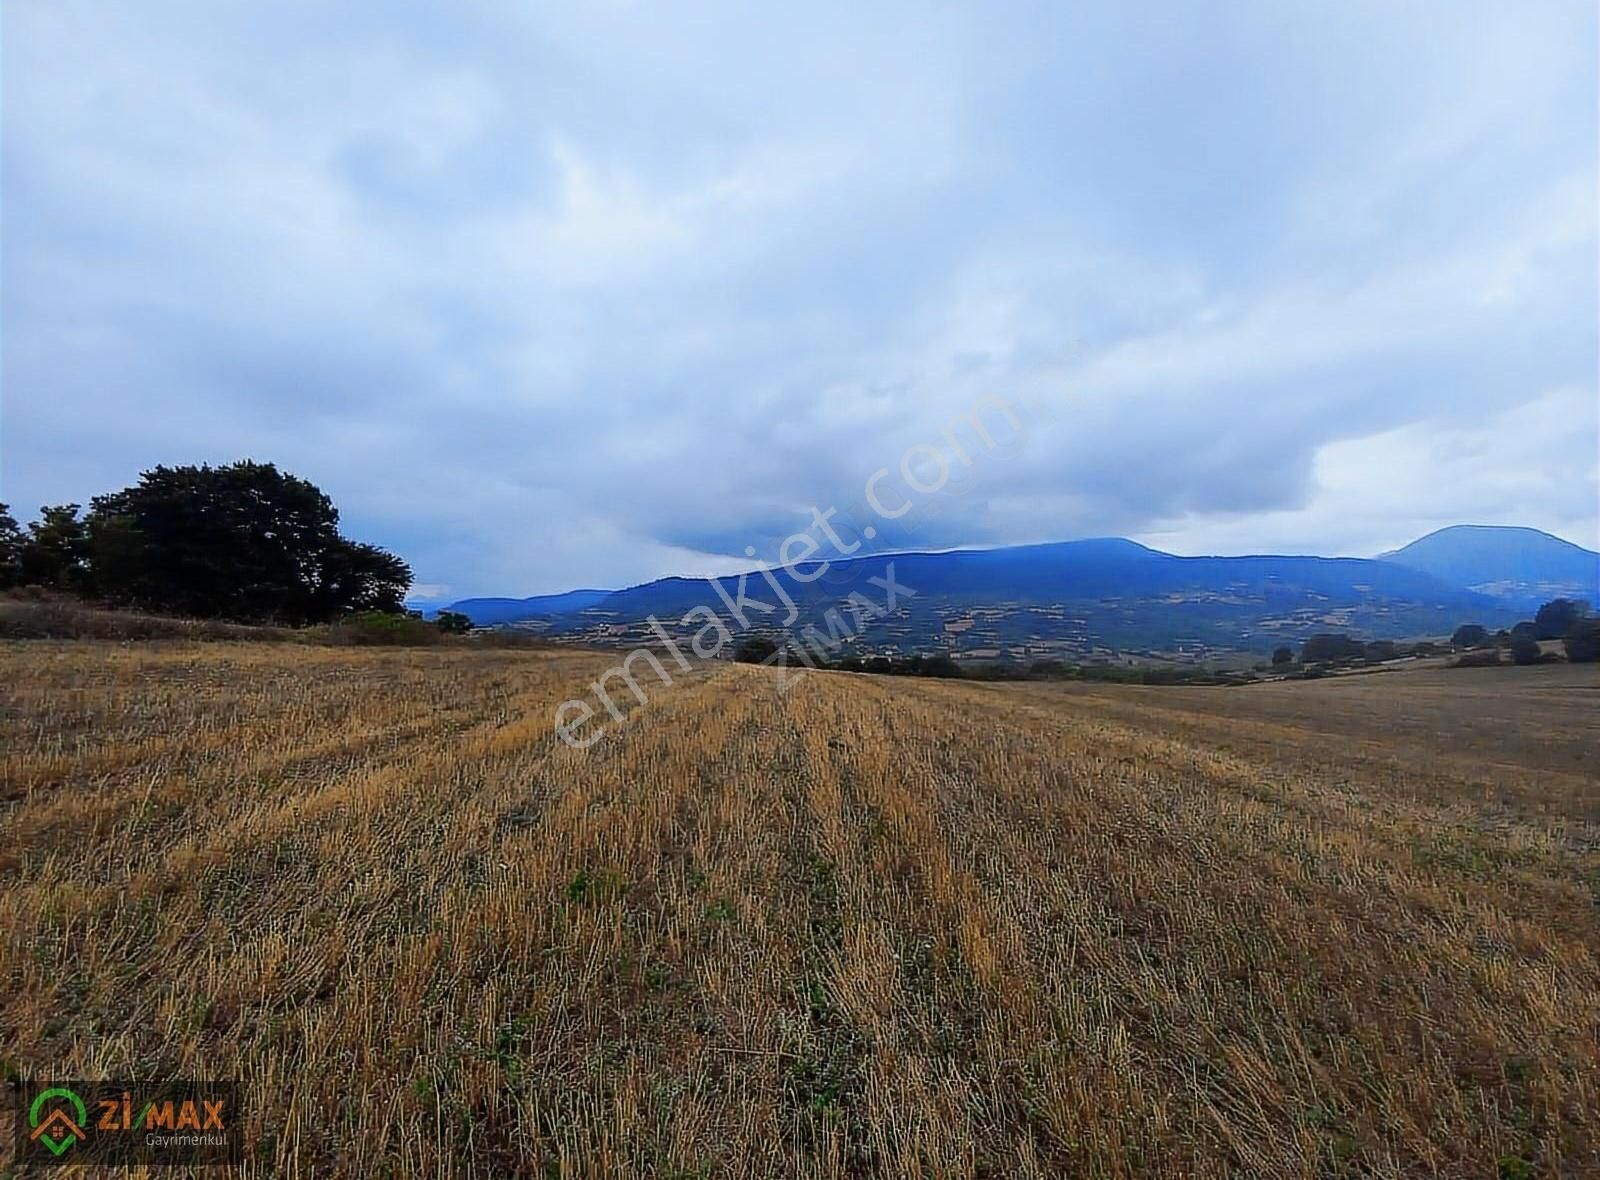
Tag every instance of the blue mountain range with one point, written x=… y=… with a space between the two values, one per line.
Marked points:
x=1112 y=592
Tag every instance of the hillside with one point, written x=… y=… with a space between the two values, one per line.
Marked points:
x=864 y=927
x=1078 y=599
x=1521 y=567
x=487 y=612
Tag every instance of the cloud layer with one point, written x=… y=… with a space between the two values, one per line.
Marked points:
x=555 y=298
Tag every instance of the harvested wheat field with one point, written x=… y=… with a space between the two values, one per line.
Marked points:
x=864 y=927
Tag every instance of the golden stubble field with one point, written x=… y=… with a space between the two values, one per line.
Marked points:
x=867 y=927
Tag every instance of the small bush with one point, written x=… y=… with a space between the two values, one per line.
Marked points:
x=755 y=649
x=510 y=637
x=1483 y=657
x=1332 y=648
x=1524 y=650
x=380 y=629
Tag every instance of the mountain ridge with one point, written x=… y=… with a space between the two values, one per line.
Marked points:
x=1519 y=566
x=1054 y=599
x=489 y=611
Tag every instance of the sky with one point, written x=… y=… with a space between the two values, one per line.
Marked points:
x=586 y=294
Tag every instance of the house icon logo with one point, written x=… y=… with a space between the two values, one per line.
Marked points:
x=57 y=1129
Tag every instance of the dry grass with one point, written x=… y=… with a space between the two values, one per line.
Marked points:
x=887 y=927
x=38 y=614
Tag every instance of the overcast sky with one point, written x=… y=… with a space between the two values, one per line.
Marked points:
x=596 y=293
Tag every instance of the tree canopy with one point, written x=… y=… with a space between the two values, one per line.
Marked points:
x=1525 y=649
x=1556 y=617
x=11 y=545
x=56 y=552
x=244 y=541
x=1582 y=641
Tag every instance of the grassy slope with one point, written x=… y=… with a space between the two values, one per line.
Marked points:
x=873 y=926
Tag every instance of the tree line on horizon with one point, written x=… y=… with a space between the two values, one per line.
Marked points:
x=1568 y=619
x=244 y=542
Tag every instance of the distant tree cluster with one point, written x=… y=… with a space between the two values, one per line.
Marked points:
x=1333 y=649
x=1566 y=619
x=1168 y=674
x=245 y=542
x=937 y=665
x=761 y=649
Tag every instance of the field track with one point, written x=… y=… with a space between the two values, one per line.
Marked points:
x=869 y=926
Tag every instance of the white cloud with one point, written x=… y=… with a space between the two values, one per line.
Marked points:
x=1535 y=464
x=582 y=295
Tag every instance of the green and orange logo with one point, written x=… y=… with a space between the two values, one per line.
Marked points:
x=51 y=1122
x=174 y=1123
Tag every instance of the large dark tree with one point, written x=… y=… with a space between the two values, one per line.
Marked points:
x=1556 y=617
x=1583 y=641
x=245 y=541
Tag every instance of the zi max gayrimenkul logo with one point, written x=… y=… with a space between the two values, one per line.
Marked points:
x=177 y=1123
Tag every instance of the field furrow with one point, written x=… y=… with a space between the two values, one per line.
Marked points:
x=824 y=925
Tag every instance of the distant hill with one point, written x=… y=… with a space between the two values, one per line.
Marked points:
x=1085 y=599
x=1110 y=567
x=1520 y=567
x=486 y=612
